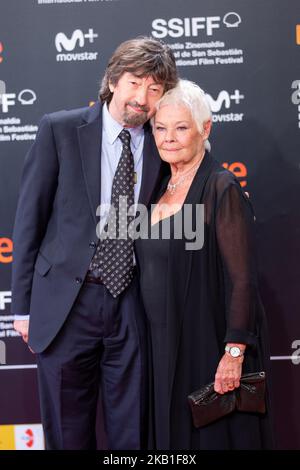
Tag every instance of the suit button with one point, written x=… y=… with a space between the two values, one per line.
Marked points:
x=92 y=244
x=78 y=280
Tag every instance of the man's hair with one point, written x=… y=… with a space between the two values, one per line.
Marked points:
x=143 y=57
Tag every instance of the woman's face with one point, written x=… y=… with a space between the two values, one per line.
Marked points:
x=176 y=135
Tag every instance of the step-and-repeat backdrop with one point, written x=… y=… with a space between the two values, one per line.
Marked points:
x=245 y=54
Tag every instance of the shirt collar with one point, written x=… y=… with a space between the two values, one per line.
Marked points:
x=112 y=129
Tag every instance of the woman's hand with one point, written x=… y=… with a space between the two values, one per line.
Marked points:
x=228 y=373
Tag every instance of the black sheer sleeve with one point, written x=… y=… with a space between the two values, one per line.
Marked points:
x=234 y=224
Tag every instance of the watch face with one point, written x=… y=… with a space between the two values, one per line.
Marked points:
x=235 y=351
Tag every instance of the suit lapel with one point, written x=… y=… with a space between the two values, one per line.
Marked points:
x=90 y=137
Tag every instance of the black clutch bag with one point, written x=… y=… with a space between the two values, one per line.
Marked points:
x=208 y=406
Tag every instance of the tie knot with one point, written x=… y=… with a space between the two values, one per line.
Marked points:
x=124 y=136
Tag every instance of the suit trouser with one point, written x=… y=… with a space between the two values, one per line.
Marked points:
x=102 y=342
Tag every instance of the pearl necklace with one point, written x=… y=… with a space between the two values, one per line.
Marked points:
x=188 y=175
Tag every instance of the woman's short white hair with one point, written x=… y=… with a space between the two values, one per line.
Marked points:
x=189 y=94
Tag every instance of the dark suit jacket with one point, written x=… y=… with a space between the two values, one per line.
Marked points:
x=55 y=227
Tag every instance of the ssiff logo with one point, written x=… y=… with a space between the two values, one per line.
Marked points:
x=190 y=27
x=77 y=39
x=25 y=97
x=5 y=299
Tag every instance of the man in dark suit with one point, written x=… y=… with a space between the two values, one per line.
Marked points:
x=86 y=318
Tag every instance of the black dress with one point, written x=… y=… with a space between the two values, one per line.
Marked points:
x=153 y=259
x=196 y=300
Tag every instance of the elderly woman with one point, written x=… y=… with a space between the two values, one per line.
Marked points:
x=204 y=313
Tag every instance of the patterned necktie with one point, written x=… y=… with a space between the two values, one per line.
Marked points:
x=113 y=260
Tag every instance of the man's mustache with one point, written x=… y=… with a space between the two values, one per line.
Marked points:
x=138 y=106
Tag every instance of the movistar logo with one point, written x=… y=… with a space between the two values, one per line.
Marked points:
x=224 y=99
x=78 y=38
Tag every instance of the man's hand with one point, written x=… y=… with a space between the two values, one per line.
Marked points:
x=21 y=326
x=228 y=374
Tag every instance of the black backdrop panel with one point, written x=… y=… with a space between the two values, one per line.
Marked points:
x=245 y=54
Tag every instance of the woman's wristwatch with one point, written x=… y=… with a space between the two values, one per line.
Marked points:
x=234 y=351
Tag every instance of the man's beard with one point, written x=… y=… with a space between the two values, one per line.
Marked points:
x=132 y=119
